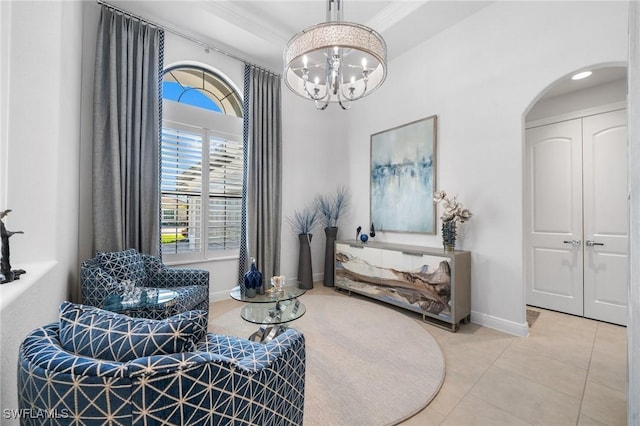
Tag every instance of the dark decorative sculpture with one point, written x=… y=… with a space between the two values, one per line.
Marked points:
x=372 y=233
x=358 y=229
x=6 y=274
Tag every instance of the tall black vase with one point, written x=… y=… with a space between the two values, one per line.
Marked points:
x=305 y=274
x=330 y=255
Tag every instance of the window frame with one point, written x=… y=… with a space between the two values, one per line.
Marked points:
x=228 y=105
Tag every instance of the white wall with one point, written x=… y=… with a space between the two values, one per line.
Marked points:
x=315 y=161
x=633 y=326
x=5 y=33
x=90 y=18
x=480 y=77
x=604 y=94
x=41 y=50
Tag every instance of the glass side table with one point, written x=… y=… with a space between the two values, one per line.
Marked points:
x=149 y=298
x=273 y=311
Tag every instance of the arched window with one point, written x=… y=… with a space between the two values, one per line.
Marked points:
x=201 y=88
x=202 y=157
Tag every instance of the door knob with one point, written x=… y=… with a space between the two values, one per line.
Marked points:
x=574 y=243
x=590 y=243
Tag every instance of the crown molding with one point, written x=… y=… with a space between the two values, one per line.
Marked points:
x=394 y=13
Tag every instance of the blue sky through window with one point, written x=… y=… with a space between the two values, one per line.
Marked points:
x=194 y=97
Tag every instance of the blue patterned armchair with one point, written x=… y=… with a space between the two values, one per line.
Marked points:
x=95 y=367
x=101 y=279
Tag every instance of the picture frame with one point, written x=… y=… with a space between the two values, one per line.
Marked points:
x=403 y=177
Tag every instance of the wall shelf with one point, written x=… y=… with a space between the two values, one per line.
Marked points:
x=12 y=291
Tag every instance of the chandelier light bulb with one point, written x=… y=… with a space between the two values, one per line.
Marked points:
x=364 y=63
x=305 y=61
x=316 y=80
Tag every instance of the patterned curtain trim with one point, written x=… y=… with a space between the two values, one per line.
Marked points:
x=160 y=105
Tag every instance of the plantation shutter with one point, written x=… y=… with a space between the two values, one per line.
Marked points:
x=181 y=190
x=225 y=193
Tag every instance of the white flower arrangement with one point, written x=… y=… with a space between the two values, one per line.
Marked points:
x=453 y=209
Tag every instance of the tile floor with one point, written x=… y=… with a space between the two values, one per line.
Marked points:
x=568 y=371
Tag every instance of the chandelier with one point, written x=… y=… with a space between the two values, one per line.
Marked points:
x=335 y=61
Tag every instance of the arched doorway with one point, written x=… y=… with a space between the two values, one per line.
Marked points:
x=576 y=205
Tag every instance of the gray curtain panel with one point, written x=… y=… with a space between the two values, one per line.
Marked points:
x=126 y=165
x=262 y=204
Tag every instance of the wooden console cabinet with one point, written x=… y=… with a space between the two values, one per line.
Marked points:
x=422 y=279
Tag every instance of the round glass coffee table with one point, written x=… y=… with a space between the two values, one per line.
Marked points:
x=273 y=311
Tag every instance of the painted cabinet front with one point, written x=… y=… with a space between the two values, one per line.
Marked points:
x=424 y=280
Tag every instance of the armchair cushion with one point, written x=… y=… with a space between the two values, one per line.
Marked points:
x=123 y=265
x=104 y=335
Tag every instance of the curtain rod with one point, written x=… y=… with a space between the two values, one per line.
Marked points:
x=185 y=36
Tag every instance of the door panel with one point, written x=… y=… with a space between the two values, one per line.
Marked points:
x=609 y=268
x=553 y=185
x=606 y=216
x=553 y=281
x=553 y=259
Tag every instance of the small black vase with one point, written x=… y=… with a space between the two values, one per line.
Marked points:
x=305 y=275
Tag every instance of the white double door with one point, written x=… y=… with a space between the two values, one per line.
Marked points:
x=577 y=217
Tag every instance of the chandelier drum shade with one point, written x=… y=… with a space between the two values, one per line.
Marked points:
x=335 y=61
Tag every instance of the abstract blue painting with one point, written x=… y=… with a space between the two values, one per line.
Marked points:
x=403 y=177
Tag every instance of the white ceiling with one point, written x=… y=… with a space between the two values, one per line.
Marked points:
x=258 y=30
x=600 y=76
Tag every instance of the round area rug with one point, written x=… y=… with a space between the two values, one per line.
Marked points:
x=366 y=363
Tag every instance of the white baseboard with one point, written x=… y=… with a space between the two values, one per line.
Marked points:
x=500 y=324
x=219 y=295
